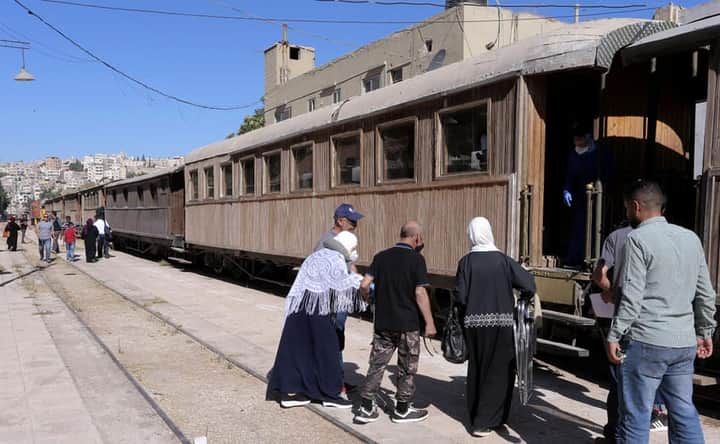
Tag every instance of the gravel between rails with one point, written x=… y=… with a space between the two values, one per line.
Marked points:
x=200 y=391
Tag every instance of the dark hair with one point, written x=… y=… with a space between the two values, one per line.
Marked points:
x=579 y=130
x=647 y=193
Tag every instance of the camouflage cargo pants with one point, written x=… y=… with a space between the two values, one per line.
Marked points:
x=383 y=347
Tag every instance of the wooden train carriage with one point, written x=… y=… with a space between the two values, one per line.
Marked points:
x=71 y=208
x=461 y=141
x=147 y=212
x=54 y=205
x=92 y=200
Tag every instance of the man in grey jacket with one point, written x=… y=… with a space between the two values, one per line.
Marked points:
x=665 y=318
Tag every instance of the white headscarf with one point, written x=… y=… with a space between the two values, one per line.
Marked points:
x=480 y=234
x=350 y=242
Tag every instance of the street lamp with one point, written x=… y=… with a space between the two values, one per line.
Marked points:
x=23 y=75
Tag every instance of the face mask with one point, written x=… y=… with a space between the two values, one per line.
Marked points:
x=354 y=257
x=419 y=248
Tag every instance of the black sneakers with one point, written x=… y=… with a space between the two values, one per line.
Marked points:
x=365 y=416
x=339 y=403
x=481 y=433
x=295 y=400
x=410 y=415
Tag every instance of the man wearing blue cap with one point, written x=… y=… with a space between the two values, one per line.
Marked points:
x=346 y=219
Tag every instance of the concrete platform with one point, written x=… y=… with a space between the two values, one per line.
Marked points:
x=245 y=325
x=56 y=384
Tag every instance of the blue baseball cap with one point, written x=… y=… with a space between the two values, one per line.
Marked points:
x=348 y=212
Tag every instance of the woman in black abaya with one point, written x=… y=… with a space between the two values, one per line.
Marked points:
x=484 y=294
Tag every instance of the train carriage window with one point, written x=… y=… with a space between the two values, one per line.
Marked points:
x=227 y=178
x=397 y=143
x=302 y=168
x=465 y=140
x=347 y=160
x=194 y=185
x=114 y=196
x=272 y=173
x=140 y=196
x=248 y=174
x=125 y=198
x=209 y=183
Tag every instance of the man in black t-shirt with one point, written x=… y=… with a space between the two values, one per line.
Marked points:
x=400 y=277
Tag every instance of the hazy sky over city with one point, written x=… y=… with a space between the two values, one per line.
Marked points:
x=77 y=106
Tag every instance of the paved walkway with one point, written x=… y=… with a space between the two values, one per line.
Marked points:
x=245 y=324
x=56 y=384
x=39 y=402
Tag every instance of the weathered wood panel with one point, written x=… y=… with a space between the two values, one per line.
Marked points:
x=712 y=125
x=536 y=106
x=290 y=227
x=711 y=228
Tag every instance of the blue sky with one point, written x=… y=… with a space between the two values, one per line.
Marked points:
x=78 y=107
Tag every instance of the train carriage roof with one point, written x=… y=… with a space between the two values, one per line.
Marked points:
x=590 y=44
x=146 y=177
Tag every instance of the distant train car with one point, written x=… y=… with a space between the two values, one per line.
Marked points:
x=147 y=212
x=92 y=201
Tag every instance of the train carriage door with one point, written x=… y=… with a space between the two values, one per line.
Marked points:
x=176 y=203
x=572 y=99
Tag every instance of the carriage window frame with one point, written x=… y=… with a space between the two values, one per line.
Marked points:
x=380 y=176
x=243 y=174
x=266 y=171
x=294 y=181
x=334 y=173
x=209 y=184
x=441 y=157
x=224 y=181
x=194 y=180
x=125 y=192
x=140 y=196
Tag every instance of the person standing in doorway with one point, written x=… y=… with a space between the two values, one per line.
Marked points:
x=401 y=280
x=345 y=219
x=69 y=238
x=45 y=236
x=103 y=229
x=90 y=235
x=585 y=165
x=665 y=318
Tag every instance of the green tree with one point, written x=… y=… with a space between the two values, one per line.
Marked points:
x=252 y=122
x=76 y=166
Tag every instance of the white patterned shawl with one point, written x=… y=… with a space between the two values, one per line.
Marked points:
x=324 y=286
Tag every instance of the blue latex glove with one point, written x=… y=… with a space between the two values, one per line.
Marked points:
x=371 y=297
x=568 y=198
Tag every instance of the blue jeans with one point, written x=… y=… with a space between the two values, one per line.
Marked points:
x=70 y=251
x=45 y=246
x=648 y=369
x=340 y=319
x=612 y=406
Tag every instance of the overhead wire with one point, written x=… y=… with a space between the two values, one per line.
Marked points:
x=51 y=52
x=129 y=77
x=312 y=20
x=442 y=5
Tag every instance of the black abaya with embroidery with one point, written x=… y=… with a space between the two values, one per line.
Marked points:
x=484 y=294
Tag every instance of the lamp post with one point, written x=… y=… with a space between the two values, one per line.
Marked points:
x=23 y=75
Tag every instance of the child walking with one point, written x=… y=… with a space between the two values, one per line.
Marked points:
x=69 y=234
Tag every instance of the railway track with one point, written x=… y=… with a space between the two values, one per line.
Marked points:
x=195 y=388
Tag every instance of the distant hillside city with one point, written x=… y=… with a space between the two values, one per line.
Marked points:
x=24 y=182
